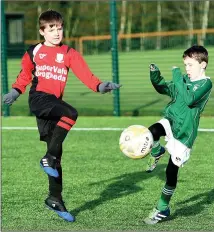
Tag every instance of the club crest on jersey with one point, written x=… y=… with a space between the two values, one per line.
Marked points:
x=59 y=58
x=42 y=55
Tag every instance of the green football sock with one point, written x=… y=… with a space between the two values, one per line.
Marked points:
x=156 y=148
x=166 y=195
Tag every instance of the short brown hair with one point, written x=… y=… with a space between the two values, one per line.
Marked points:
x=50 y=16
x=197 y=52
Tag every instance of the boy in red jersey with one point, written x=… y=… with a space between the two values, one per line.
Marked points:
x=49 y=63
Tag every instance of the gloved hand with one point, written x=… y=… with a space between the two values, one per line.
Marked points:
x=153 y=67
x=10 y=97
x=108 y=86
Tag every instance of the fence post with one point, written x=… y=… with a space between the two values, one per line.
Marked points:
x=4 y=80
x=114 y=50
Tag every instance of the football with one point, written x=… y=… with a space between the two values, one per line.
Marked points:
x=136 y=141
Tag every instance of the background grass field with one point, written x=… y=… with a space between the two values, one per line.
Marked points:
x=137 y=96
x=104 y=189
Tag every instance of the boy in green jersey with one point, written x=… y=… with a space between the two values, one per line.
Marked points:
x=189 y=94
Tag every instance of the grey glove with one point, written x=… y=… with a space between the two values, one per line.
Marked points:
x=108 y=86
x=10 y=97
x=153 y=67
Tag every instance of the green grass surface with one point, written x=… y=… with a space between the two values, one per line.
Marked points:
x=104 y=189
x=137 y=96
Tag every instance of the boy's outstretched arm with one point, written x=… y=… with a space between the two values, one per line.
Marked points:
x=23 y=79
x=190 y=95
x=160 y=85
x=75 y=61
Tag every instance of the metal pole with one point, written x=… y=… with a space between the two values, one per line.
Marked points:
x=114 y=50
x=4 y=78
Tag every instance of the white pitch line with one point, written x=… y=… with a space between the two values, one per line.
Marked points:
x=18 y=128
x=85 y=129
x=206 y=130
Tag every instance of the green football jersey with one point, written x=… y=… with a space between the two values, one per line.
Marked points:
x=188 y=99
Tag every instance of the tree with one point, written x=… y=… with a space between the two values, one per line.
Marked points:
x=204 y=22
x=129 y=27
x=96 y=24
x=188 y=19
x=39 y=11
x=122 y=21
x=159 y=27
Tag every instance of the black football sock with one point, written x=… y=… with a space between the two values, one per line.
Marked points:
x=60 y=132
x=55 y=184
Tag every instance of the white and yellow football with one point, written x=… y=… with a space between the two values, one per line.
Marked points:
x=136 y=141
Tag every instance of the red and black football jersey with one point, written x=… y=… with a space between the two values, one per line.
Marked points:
x=50 y=66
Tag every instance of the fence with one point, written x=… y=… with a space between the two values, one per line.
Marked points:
x=138 y=47
x=144 y=40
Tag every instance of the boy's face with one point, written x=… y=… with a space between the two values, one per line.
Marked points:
x=194 y=69
x=53 y=34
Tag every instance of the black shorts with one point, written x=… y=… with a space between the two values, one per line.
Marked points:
x=48 y=110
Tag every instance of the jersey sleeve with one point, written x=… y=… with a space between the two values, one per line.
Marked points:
x=190 y=95
x=25 y=76
x=79 y=67
x=160 y=85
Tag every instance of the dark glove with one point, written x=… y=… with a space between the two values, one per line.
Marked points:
x=153 y=67
x=108 y=86
x=10 y=97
